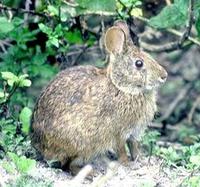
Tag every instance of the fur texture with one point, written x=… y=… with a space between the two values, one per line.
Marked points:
x=86 y=111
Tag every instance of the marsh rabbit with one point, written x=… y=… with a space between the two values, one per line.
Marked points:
x=85 y=110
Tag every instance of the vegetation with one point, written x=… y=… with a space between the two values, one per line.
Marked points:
x=39 y=38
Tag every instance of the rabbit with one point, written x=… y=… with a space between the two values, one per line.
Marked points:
x=86 y=111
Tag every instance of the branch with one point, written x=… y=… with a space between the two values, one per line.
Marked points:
x=130 y=22
x=168 y=2
x=14 y=88
x=24 y=11
x=172 y=31
x=196 y=103
x=71 y=4
x=27 y=8
x=183 y=37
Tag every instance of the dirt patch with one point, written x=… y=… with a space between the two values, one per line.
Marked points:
x=135 y=174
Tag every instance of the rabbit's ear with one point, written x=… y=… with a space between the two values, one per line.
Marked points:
x=114 y=40
x=122 y=25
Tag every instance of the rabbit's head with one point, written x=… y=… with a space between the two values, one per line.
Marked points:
x=131 y=70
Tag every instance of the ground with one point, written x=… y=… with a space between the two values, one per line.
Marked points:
x=146 y=172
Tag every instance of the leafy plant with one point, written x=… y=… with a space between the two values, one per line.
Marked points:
x=193 y=181
x=176 y=14
x=171 y=16
x=29 y=181
x=25 y=118
x=187 y=156
x=149 y=141
x=22 y=164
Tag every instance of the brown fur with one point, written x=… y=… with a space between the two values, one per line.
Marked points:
x=86 y=111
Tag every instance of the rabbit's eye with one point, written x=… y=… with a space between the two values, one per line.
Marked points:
x=139 y=63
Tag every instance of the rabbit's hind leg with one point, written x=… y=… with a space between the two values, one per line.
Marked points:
x=76 y=165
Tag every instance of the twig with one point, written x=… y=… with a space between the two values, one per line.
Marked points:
x=3 y=44
x=14 y=88
x=194 y=106
x=74 y=5
x=3 y=47
x=172 y=45
x=27 y=8
x=130 y=22
x=183 y=37
x=92 y=31
x=168 y=2
x=80 y=54
x=160 y=48
x=24 y=11
x=189 y=24
x=175 y=102
x=172 y=31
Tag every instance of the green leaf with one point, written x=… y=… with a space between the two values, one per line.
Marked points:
x=2 y=95
x=5 y=25
x=45 y=29
x=25 y=83
x=23 y=164
x=54 y=41
x=198 y=25
x=8 y=167
x=74 y=37
x=53 y=10
x=195 y=159
x=59 y=30
x=9 y=77
x=23 y=76
x=96 y=6
x=25 y=118
x=171 y=16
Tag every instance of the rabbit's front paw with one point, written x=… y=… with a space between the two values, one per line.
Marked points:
x=134 y=150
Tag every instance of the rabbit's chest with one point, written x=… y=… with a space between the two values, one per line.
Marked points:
x=130 y=115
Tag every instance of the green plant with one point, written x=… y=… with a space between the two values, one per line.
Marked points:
x=186 y=156
x=192 y=181
x=12 y=83
x=149 y=141
x=22 y=164
x=10 y=127
x=29 y=181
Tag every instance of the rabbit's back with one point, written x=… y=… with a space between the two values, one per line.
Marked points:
x=68 y=116
x=82 y=112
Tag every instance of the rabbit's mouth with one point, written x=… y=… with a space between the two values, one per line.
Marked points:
x=152 y=86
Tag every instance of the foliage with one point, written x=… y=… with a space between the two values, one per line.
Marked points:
x=21 y=163
x=149 y=141
x=22 y=168
x=10 y=138
x=87 y=6
x=175 y=14
x=187 y=156
x=193 y=181
x=29 y=181
x=172 y=15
